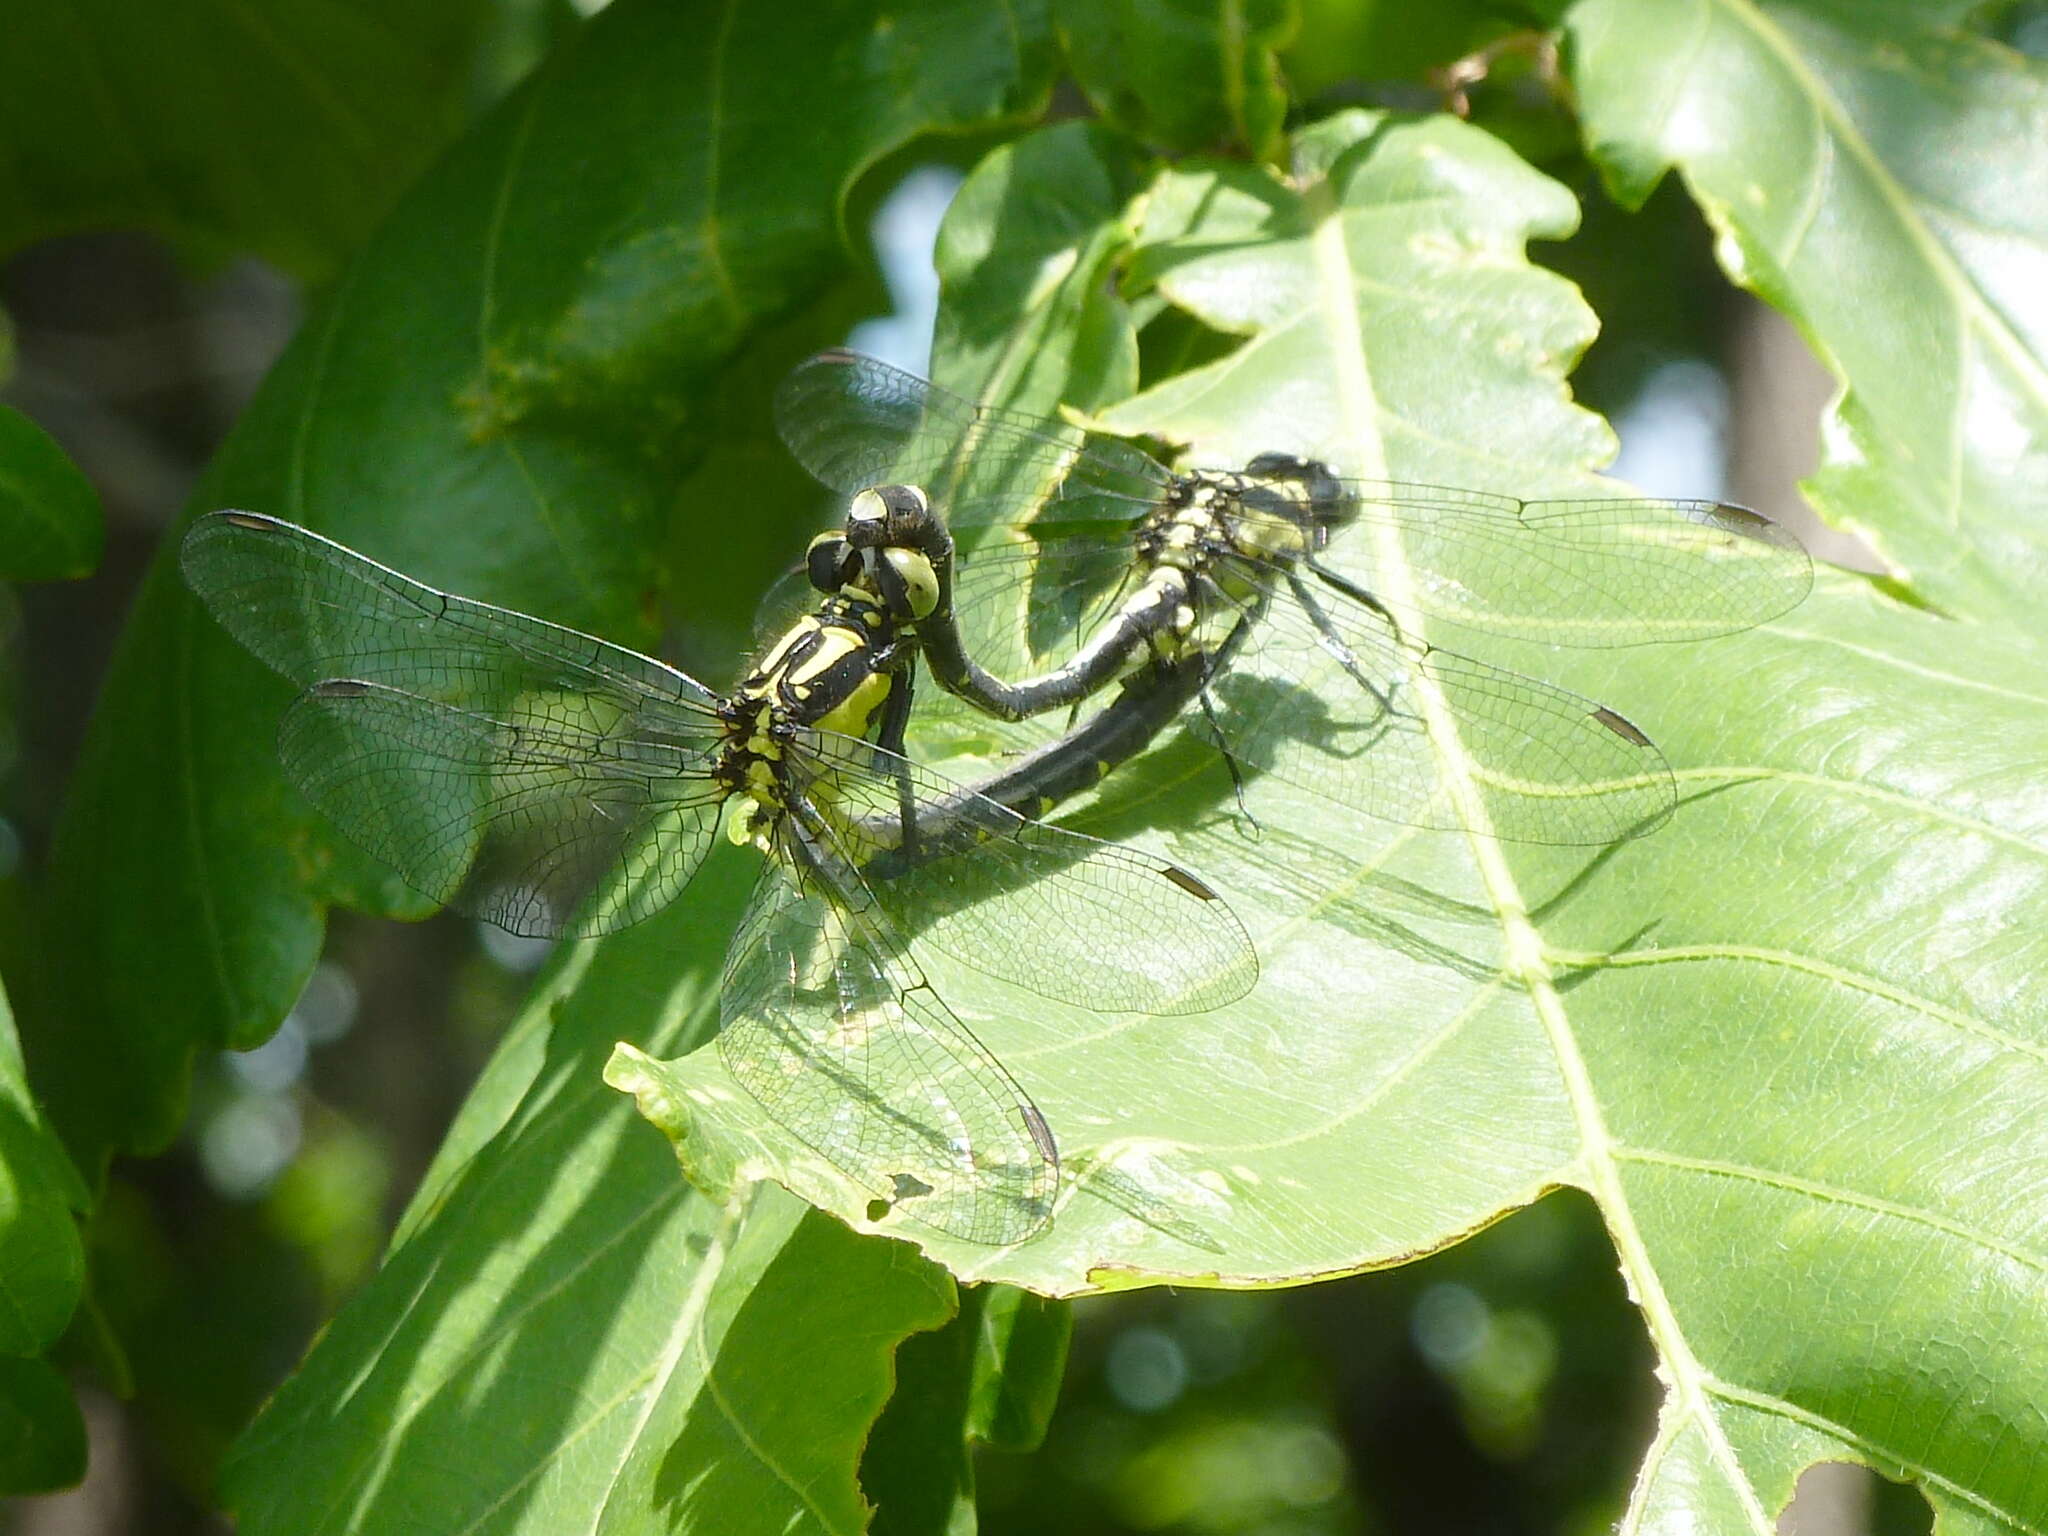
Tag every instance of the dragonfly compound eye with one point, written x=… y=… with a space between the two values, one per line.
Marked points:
x=885 y=515
x=909 y=586
x=831 y=562
x=868 y=514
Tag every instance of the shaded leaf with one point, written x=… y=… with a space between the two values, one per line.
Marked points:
x=1342 y=40
x=42 y=1436
x=286 y=130
x=42 y=1274
x=565 y=1336
x=1867 y=170
x=41 y=1262
x=989 y=1376
x=1056 y=201
x=49 y=516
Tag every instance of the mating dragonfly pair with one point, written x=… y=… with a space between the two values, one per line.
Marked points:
x=553 y=783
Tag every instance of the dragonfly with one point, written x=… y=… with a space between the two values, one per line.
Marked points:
x=1085 y=559
x=555 y=784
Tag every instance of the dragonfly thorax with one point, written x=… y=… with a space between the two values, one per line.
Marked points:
x=1186 y=531
x=830 y=669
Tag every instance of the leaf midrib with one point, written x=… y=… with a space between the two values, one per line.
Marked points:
x=1526 y=958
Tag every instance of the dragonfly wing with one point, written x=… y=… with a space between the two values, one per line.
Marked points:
x=832 y=1028
x=314 y=609
x=1026 y=606
x=1066 y=916
x=543 y=779
x=545 y=822
x=855 y=421
x=1347 y=717
x=1591 y=572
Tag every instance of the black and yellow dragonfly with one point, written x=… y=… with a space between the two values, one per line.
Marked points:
x=555 y=784
x=1084 y=560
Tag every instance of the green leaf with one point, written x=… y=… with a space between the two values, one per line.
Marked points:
x=42 y=1436
x=565 y=1337
x=502 y=397
x=285 y=130
x=990 y=1375
x=1347 y=40
x=42 y=1274
x=1791 y=1043
x=1870 y=172
x=49 y=516
x=42 y=1265
x=1053 y=204
x=1182 y=74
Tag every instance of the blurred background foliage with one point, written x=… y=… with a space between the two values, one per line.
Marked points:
x=1502 y=1386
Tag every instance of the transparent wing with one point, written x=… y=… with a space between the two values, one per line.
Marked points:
x=540 y=778
x=1028 y=605
x=1343 y=712
x=1591 y=573
x=546 y=822
x=313 y=609
x=854 y=421
x=788 y=599
x=1587 y=572
x=1064 y=915
x=1582 y=572
x=1336 y=709
x=830 y=1025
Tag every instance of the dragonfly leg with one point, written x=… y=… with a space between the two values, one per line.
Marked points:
x=1357 y=594
x=1213 y=663
x=889 y=752
x=1331 y=641
x=1229 y=761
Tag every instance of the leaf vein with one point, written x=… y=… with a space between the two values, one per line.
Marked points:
x=1791 y=1183
x=1810 y=965
x=1765 y=1402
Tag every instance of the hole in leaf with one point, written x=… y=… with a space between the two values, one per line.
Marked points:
x=1840 y=1498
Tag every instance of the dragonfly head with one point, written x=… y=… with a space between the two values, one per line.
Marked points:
x=1313 y=495
x=890 y=550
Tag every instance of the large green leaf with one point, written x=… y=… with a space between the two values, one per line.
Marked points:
x=502 y=396
x=1791 y=1044
x=1875 y=172
x=49 y=517
x=42 y=1269
x=565 y=1338
x=283 y=129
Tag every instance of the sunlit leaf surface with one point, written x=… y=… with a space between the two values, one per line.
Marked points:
x=1791 y=1043
x=1868 y=170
